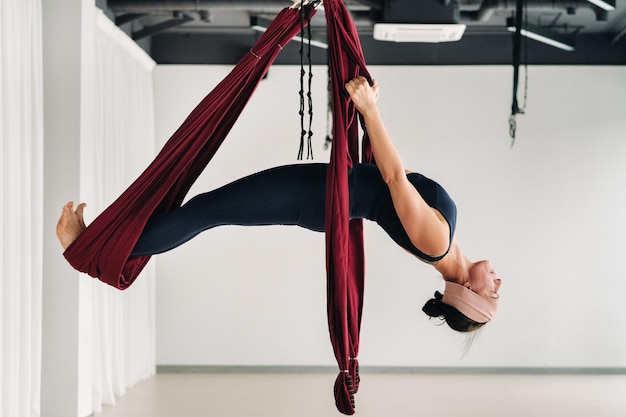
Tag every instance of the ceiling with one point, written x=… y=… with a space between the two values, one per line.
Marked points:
x=219 y=31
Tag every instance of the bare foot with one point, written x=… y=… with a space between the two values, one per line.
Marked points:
x=71 y=224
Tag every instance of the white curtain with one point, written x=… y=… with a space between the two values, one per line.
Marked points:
x=21 y=202
x=121 y=147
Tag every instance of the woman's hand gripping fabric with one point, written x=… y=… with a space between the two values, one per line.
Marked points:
x=364 y=96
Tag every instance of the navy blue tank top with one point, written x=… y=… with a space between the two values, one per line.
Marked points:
x=370 y=198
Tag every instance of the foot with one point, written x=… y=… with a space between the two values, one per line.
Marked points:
x=71 y=224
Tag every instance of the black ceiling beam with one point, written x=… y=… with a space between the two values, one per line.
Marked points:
x=122 y=19
x=160 y=27
x=619 y=35
x=140 y=6
x=473 y=49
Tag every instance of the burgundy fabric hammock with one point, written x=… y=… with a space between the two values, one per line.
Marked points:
x=345 y=258
x=103 y=249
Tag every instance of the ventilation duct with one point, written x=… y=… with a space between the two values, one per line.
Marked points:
x=422 y=11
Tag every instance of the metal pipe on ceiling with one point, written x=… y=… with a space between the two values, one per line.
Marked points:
x=171 y=5
x=137 y=6
x=470 y=10
x=488 y=7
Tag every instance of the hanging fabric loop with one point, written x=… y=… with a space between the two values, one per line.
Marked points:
x=345 y=258
x=103 y=249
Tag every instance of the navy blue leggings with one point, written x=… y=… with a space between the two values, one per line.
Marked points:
x=287 y=195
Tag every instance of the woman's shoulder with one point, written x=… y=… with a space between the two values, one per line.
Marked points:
x=435 y=196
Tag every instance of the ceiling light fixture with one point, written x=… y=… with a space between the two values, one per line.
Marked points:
x=542 y=35
x=604 y=4
x=407 y=32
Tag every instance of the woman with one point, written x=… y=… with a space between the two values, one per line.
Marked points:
x=415 y=211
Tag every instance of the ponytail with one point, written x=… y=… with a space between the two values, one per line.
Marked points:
x=435 y=308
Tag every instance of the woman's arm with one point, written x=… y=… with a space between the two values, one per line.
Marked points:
x=427 y=229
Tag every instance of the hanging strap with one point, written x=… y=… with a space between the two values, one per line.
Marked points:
x=517 y=42
x=103 y=249
x=344 y=237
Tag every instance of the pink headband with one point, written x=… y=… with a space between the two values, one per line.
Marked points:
x=472 y=305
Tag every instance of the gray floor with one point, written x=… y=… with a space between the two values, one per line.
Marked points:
x=303 y=395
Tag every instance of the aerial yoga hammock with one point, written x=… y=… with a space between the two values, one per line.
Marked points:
x=103 y=249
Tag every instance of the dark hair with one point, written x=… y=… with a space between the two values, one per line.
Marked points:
x=453 y=317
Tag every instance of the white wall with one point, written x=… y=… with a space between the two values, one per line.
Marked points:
x=548 y=213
